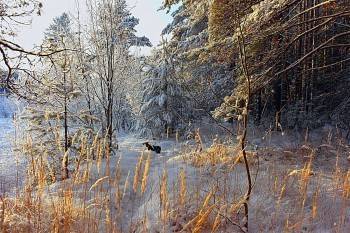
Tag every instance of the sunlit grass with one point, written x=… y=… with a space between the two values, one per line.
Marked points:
x=200 y=192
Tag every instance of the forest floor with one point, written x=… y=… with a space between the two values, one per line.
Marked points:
x=301 y=184
x=301 y=181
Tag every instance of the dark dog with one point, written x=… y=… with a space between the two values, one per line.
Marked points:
x=156 y=149
x=149 y=146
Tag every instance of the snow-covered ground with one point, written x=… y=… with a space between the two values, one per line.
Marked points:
x=275 y=151
x=276 y=164
x=7 y=107
x=11 y=167
x=131 y=148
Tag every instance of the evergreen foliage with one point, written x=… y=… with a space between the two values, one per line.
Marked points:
x=164 y=103
x=293 y=48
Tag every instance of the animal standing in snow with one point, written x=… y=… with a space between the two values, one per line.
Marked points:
x=156 y=149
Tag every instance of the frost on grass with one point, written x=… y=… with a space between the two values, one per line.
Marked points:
x=182 y=190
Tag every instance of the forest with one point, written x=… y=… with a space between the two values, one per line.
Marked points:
x=238 y=120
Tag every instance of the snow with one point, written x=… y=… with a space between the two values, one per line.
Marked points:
x=130 y=149
x=135 y=206
x=11 y=167
x=264 y=10
x=7 y=107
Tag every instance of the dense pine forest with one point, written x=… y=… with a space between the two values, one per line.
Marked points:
x=236 y=120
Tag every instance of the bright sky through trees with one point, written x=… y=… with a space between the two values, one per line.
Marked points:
x=151 y=24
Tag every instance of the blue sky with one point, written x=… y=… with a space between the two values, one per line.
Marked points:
x=151 y=21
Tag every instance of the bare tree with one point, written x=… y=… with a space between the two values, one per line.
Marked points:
x=111 y=35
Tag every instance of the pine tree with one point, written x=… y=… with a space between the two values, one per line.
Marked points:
x=54 y=117
x=164 y=106
x=205 y=80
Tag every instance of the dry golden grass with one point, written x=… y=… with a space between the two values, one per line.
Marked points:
x=101 y=197
x=217 y=154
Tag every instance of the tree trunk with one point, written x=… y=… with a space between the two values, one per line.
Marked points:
x=65 y=171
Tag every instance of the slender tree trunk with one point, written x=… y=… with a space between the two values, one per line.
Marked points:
x=65 y=174
x=110 y=93
x=245 y=125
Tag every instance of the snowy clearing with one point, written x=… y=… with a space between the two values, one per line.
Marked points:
x=11 y=167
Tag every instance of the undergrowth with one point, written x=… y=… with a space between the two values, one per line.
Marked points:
x=197 y=191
